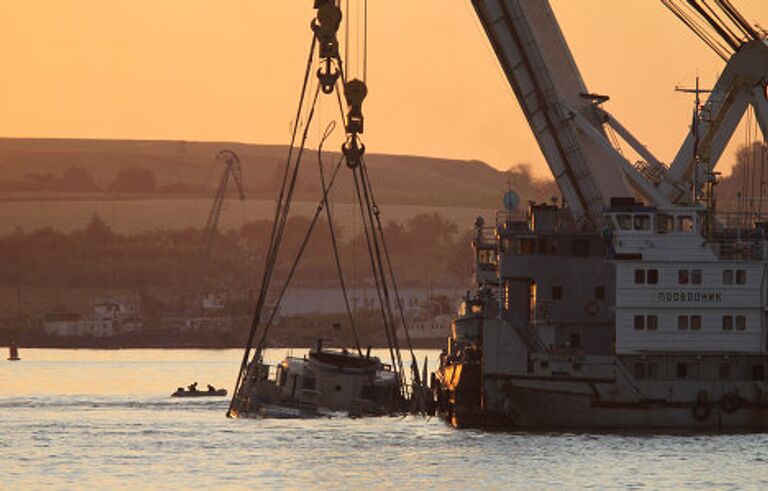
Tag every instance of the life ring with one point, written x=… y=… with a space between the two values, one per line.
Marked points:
x=731 y=402
x=701 y=410
x=592 y=307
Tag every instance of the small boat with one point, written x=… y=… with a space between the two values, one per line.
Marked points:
x=192 y=391
x=13 y=353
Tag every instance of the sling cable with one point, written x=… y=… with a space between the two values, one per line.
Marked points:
x=329 y=77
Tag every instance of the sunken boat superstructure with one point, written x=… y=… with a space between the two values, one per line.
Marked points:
x=633 y=304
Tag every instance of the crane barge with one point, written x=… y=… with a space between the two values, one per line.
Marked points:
x=635 y=305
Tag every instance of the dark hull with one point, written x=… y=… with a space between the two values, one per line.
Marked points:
x=201 y=393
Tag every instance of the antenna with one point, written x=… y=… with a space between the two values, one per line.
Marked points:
x=697 y=90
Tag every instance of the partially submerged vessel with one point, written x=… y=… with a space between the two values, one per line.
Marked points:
x=322 y=381
x=328 y=380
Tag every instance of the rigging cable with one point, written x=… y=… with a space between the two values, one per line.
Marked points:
x=281 y=211
x=328 y=131
x=391 y=270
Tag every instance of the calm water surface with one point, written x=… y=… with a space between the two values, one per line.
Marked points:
x=103 y=420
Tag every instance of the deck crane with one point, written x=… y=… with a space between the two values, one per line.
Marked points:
x=572 y=128
x=231 y=170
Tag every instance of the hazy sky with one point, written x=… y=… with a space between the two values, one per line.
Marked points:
x=231 y=70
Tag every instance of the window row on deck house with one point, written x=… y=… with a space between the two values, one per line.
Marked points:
x=689 y=323
x=690 y=277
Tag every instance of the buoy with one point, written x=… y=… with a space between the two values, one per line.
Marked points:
x=13 y=353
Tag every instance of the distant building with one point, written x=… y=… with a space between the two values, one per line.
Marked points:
x=108 y=319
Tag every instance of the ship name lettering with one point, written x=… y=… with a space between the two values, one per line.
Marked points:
x=704 y=297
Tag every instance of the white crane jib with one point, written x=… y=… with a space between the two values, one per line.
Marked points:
x=741 y=84
x=564 y=117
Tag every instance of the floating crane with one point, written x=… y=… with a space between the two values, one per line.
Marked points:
x=574 y=131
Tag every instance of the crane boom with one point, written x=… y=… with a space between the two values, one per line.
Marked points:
x=742 y=83
x=569 y=130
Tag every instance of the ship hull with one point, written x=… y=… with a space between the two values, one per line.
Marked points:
x=559 y=405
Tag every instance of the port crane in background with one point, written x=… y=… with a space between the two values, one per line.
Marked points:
x=577 y=135
x=232 y=170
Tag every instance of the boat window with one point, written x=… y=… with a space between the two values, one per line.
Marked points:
x=653 y=276
x=545 y=247
x=642 y=222
x=664 y=223
x=727 y=277
x=696 y=323
x=741 y=277
x=624 y=222
x=685 y=223
x=725 y=370
x=696 y=276
x=727 y=323
x=652 y=322
x=639 y=276
x=557 y=292
x=580 y=247
x=639 y=370
x=682 y=370
x=741 y=323
x=506 y=244
x=308 y=383
x=527 y=247
x=652 y=370
x=485 y=256
x=639 y=323
x=599 y=292
x=682 y=276
x=682 y=322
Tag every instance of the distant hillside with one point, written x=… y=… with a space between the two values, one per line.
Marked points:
x=189 y=168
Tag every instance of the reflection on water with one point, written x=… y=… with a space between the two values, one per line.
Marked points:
x=87 y=418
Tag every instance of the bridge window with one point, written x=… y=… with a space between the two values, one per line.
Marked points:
x=624 y=222
x=758 y=372
x=642 y=222
x=741 y=323
x=653 y=276
x=639 y=323
x=682 y=322
x=727 y=323
x=652 y=322
x=639 y=276
x=664 y=223
x=685 y=224
x=682 y=276
x=682 y=370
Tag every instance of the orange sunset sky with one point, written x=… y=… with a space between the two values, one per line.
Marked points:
x=230 y=70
